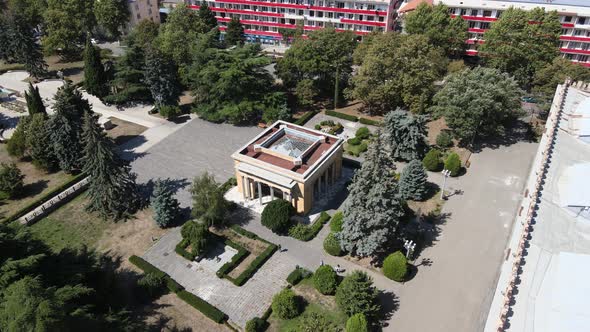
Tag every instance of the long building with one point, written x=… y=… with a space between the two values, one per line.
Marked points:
x=264 y=20
x=574 y=16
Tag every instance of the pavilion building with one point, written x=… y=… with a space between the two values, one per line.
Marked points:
x=291 y=162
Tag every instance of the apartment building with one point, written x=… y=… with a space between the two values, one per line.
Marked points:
x=263 y=20
x=574 y=16
x=143 y=10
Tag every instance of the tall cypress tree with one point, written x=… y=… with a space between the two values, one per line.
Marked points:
x=161 y=75
x=406 y=134
x=34 y=101
x=66 y=127
x=373 y=208
x=112 y=191
x=94 y=76
x=234 y=34
x=207 y=16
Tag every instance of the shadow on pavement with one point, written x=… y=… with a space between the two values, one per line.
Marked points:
x=389 y=305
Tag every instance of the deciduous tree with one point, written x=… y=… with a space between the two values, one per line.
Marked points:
x=112 y=15
x=491 y=99
x=209 y=205
x=161 y=76
x=547 y=78
x=522 y=42
x=397 y=71
x=405 y=134
x=67 y=23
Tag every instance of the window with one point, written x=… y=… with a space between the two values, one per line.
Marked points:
x=350 y=16
x=371 y=7
x=381 y=19
x=484 y=25
x=573 y=45
x=311 y=13
x=581 y=20
x=300 y=12
x=474 y=12
x=330 y=15
x=451 y=11
x=569 y=56
x=463 y=11
x=582 y=58
x=369 y=28
x=578 y=32
x=340 y=4
x=565 y=32
x=487 y=13
x=498 y=13
x=567 y=19
x=320 y=14
x=472 y=24
x=370 y=18
x=585 y=46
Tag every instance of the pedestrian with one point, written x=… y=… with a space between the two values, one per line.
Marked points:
x=322 y=262
x=280 y=248
x=338 y=269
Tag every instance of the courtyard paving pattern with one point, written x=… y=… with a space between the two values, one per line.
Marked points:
x=239 y=303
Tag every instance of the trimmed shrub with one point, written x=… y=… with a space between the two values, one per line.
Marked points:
x=297 y=275
x=306 y=233
x=302 y=120
x=173 y=286
x=256 y=324
x=325 y=280
x=227 y=185
x=203 y=306
x=276 y=215
x=336 y=222
x=254 y=266
x=332 y=245
x=170 y=111
x=369 y=122
x=144 y=265
x=363 y=133
x=444 y=139
x=153 y=283
x=453 y=164
x=286 y=304
x=313 y=321
x=342 y=116
x=395 y=266
x=432 y=161
x=235 y=260
x=357 y=323
x=317 y=127
x=354 y=141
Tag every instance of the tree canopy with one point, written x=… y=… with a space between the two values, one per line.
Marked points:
x=112 y=15
x=161 y=76
x=522 y=42
x=397 y=71
x=405 y=135
x=435 y=23
x=66 y=24
x=209 y=205
x=547 y=78
x=490 y=99
x=234 y=33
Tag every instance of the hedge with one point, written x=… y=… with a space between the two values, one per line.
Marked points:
x=181 y=250
x=342 y=116
x=302 y=120
x=306 y=233
x=146 y=267
x=297 y=275
x=246 y=233
x=227 y=185
x=235 y=260
x=45 y=198
x=370 y=122
x=203 y=306
x=254 y=266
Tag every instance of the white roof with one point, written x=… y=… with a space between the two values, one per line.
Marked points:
x=581 y=7
x=574 y=185
x=562 y=305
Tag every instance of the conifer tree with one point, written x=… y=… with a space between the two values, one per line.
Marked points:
x=112 y=191
x=26 y=49
x=207 y=16
x=234 y=34
x=34 y=101
x=161 y=75
x=413 y=181
x=165 y=206
x=405 y=134
x=66 y=127
x=11 y=180
x=128 y=84
x=373 y=208
x=17 y=144
x=94 y=76
x=38 y=143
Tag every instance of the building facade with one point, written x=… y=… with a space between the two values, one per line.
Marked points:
x=140 y=10
x=263 y=20
x=290 y=162
x=574 y=16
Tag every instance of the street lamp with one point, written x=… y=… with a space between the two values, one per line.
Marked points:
x=410 y=246
x=445 y=174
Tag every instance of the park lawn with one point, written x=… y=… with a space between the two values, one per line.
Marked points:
x=71 y=226
x=324 y=305
x=124 y=131
x=36 y=183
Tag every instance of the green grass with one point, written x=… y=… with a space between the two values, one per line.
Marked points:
x=336 y=317
x=356 y=150
x=70 y=226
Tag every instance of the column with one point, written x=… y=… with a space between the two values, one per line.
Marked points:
x=272 y=194
x=245 y=187
x=260 y=192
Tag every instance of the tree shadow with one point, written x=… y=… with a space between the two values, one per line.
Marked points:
x=126 y=149
x=515 y=131
x=425 y=233
x=33 y=189
x=389 y=305
x=180 y=119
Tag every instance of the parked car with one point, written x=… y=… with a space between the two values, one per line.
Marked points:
x=528 y=99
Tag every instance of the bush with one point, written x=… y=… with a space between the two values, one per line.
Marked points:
x=297 y=275
x=325 y=280
x=197 y=236
x=453 y=164
x=227 y=185
x=357 y=323
x=342 y=116
x=313 y=321
x=395 y=266
x=306 y=233
x=369 y=122
x=203 y=306
x=317 y=127
x=256 y=324
x=286 y=304
x=444 y=139
x=357 y=294
x=332 y=245
x=276 y=216
x=173 y=286
x=145 y=266
x=153 y=283
x=170 y=111
x=432 y=161
x=336 y=222
x=363 y=133
x=11 y=180
x=354 y=141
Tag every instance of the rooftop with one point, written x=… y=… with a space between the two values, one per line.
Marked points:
x=289 y=147
x=580 y=7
